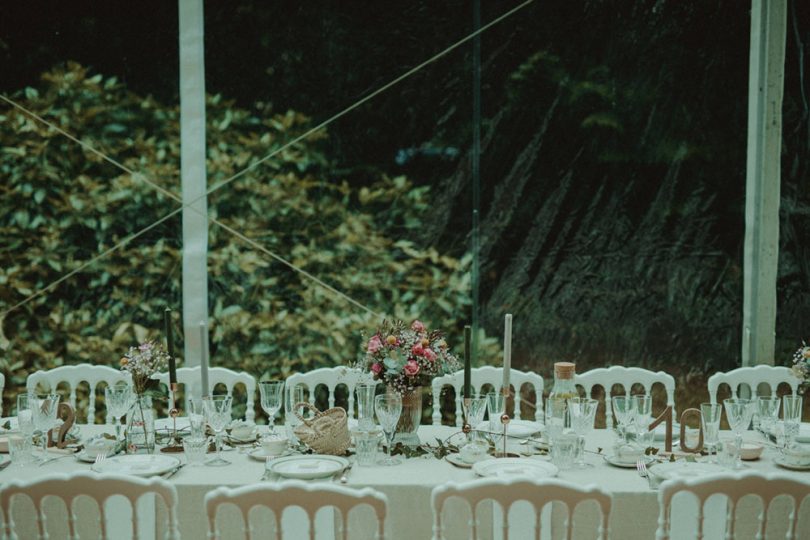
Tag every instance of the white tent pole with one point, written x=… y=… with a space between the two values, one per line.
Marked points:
x=761 y=257
x=192 y=167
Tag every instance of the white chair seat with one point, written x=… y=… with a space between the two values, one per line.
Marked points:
x=481 y=376
x=74 y=375
x=309 y=497
x=753 y=377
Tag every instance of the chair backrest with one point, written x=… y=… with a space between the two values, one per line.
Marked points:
x=734 y=486
x=487 y=375
x=625 y=377
x=507 y=491
x=69 y=487
x=189 y=377
x=309 y=497
x=331 y=378
x=753 y=376
x=74 y=375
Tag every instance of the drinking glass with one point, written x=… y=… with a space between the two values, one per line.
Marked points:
x=496 y=406
x=768 y=410
x=556 y=418
x=43 y=409
x=218 y=415
x=295 y=395
x=365 y=405
x=118 y=399
x=195 y=449
x=738 y=412
x=388 y=408
x=710 y=414
x=583 y=415
x=196 y=418
x=564 y=450
x=19 y=450
x=25 y=416
x=365 y=444
x=792 y=416
x=271 y=400
x=641 y=407
x=623 y=411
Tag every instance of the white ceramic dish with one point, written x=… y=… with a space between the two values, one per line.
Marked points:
x=516 y=428
x=685 y=469
x=804 y=433
x=792 y=466
x=137 y=464
x=456 y=460
x=627 y=463
x=168 y=423
x=519 y=467
x=750 y=451
x=661 y=431
x=260 y=455
x=307 y=467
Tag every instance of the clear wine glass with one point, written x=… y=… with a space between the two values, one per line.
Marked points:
x=271 y=399
x=623 y=411
x=388 y=408
x=738 y=412
x=583 y=415
x=218 y=415
x=44 y=408
x=118 y=399
x=768 y=411
x=710 y=419
x=642 y=418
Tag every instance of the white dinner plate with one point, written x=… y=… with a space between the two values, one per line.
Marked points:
x=137 y=464
x=520 y=467
x=661 y=431
x=779 y=460
x=625 y=463
x=516 y=428
x=307 y=467
x=685 y=469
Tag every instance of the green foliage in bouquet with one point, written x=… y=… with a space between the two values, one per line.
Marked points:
x=61 y=205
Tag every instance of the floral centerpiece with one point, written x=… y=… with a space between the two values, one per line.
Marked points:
x=801 y=364
x=406 y=358
x=142 y=362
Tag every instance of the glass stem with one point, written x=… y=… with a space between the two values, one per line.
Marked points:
x=218 y=442
x=738 y=443
x=44 y=443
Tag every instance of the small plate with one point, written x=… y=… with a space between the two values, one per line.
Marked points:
x=616 y=462
x=455 y=459
x=516 y=428
x=307 y=467
x=259 y=455
x=804 y=433
x=168 y=423
x=515 y=467
x=137 y=464
x=792 y=466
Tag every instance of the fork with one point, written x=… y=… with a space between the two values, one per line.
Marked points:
x=100 y=458
x=641 y=467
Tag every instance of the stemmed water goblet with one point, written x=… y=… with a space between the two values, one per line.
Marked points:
x=118 y=399
x=739 y=412
x=768 y=411
x=623 y=411
x=496 y=406
x=43 y=409
x=218 y=414
x=583 y=415
x=388 y=408
x=792 y=417
x=710 y=414
x=641 y=419
x=271 y=399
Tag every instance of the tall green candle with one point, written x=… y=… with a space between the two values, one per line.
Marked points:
x=467 y=362
x=167 y=321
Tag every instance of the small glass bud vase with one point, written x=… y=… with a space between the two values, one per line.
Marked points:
x=141 y=426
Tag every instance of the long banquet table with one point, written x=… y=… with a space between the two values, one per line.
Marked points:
x=408 y=487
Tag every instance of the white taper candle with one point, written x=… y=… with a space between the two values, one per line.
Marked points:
x=204 y=360
x=507 y=350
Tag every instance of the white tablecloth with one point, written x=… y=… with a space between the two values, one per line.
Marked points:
x=408 y=487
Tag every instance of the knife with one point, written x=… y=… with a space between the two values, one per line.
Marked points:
x=172 y=472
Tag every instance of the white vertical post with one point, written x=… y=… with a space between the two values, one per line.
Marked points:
x=765 y=91
x=192 y=167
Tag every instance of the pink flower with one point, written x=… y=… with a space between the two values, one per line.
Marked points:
x=430 y=355
x=374 y=344
x=411 y=368
x=417 y=326
x=418 y=350
x=376 y=368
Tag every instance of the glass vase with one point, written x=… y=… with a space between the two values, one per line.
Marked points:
x=141 y=426
x=410 y=418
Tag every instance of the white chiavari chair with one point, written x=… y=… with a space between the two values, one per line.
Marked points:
x=753 y=377
x=507 y=491
x=625 y=377
x=330 y=378
x=73 y=376
x=189 y=378
x=734 y=486
x=488 y=375
x=69 y=489
x=309 y=497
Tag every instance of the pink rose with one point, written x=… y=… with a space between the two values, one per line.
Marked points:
x=418 y=350
x=430 y=355
x=417 y=326
x=374 y=344
x=376 y=368
x=411 y=369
